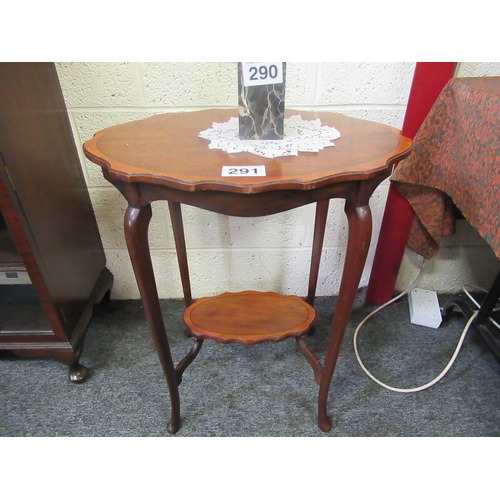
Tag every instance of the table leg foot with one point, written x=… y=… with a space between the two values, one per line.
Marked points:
x=324 y=423
x=173 y=426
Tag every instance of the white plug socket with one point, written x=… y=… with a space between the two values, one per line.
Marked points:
x=424 y=308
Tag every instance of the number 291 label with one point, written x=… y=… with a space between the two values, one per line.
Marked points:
x=250 y=171
x=262 y=73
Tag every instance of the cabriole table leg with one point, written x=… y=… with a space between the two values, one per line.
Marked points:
x=360 y=229
x=136 y=234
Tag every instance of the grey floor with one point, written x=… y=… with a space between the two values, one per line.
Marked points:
x=262 y=390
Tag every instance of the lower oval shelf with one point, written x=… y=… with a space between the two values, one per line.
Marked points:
x=249 y=317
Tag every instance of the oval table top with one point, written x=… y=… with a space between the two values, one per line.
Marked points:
x=249 y=317
x=165 y=149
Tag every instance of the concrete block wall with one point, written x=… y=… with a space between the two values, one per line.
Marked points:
x=266 y=253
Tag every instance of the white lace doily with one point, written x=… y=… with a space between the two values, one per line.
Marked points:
x=300 y=136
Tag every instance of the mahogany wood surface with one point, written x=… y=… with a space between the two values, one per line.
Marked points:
x=249 y=317
x=46 y=206
x=162 y=158
x=40 y=154
x=148 y=151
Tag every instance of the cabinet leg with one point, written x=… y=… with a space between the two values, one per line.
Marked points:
x=105 y=303
x=360 y=229
x=136 y=235
x=77 y=373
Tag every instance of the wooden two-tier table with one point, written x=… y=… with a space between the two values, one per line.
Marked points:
x=163 y=158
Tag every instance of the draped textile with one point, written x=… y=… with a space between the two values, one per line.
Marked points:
x=455 y=163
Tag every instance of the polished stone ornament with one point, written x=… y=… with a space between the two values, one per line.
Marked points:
x=261 y=107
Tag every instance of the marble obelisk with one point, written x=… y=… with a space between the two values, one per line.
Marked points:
x=261 y=108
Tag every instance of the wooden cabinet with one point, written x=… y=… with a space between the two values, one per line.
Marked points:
x=50 y=247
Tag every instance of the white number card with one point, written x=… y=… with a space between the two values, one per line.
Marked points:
x=262 y=73
x=250 y=171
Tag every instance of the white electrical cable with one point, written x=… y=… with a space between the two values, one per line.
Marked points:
x=478 y=305
x=448 y=366
x=432 y=382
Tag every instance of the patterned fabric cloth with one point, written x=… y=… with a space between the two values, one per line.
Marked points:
x=455 y=162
